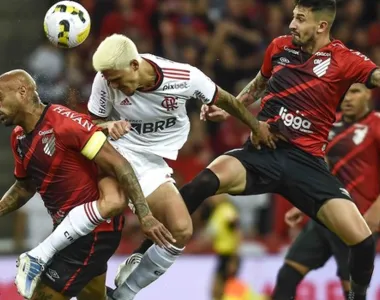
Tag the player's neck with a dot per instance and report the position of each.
(147, 75)
(31, 116)
(317, 45)
(359, 116)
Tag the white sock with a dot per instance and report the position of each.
(80, 221)
(154, 263)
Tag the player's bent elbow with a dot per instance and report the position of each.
(112, 201)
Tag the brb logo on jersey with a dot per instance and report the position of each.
(150, 127)
(170, 103)
(295, 121)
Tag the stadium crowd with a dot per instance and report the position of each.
(227, 40)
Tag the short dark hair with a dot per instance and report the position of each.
(328, 6)
(318, 5)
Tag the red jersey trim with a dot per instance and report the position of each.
(215, 97)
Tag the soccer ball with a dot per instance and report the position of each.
(67, 24)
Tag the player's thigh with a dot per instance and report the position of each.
(343, 217)
(248, 171)
(231, 174)
(95, 289)
(311, 187)
(44, 292)
(168, 206)
(310, 250)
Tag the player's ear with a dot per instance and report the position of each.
(322, 26)
(23, 91)
(134, 64)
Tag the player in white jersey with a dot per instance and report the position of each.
(150, 94)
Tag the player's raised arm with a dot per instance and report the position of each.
(18, 194)
(113, 163)
(375, 78)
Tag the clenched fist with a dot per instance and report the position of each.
(116, 129)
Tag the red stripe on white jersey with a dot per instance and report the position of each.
(177, 77)
(175, 70)
(176, 74)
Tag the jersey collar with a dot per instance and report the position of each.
(159, 77)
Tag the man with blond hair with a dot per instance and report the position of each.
(140, 99)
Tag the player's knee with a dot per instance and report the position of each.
(182, 231)
(112, 201)
(300, 268)
(112, 205)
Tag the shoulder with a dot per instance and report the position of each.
(66, 120)
(282, 42)
(337, 47)
(17, 132)
(164, 63)
(375, 118)
(99, 80)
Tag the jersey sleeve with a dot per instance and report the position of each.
(81, 135)
(19, 170)
(266, 68)
(99, 103)
(358, 68)
(202, 87)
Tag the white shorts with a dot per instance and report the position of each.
(151, 169)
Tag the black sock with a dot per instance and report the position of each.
(361, 265)
(204, 185)
(145, 245)
(287, 281)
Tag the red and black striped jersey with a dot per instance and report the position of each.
(353, 154)
(304, 90)
(51, 157)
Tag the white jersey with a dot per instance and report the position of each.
(158, 117)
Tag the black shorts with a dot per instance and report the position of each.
(75, 266)
(315, 245)
(300, 177)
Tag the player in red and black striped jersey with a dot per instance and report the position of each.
(353, 151)
(57, 152)
(302, 79)
(353, 155)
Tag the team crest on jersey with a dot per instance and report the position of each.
(49, 144)
(321, 66)
(170, 103)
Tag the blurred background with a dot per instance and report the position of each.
(224, 38)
